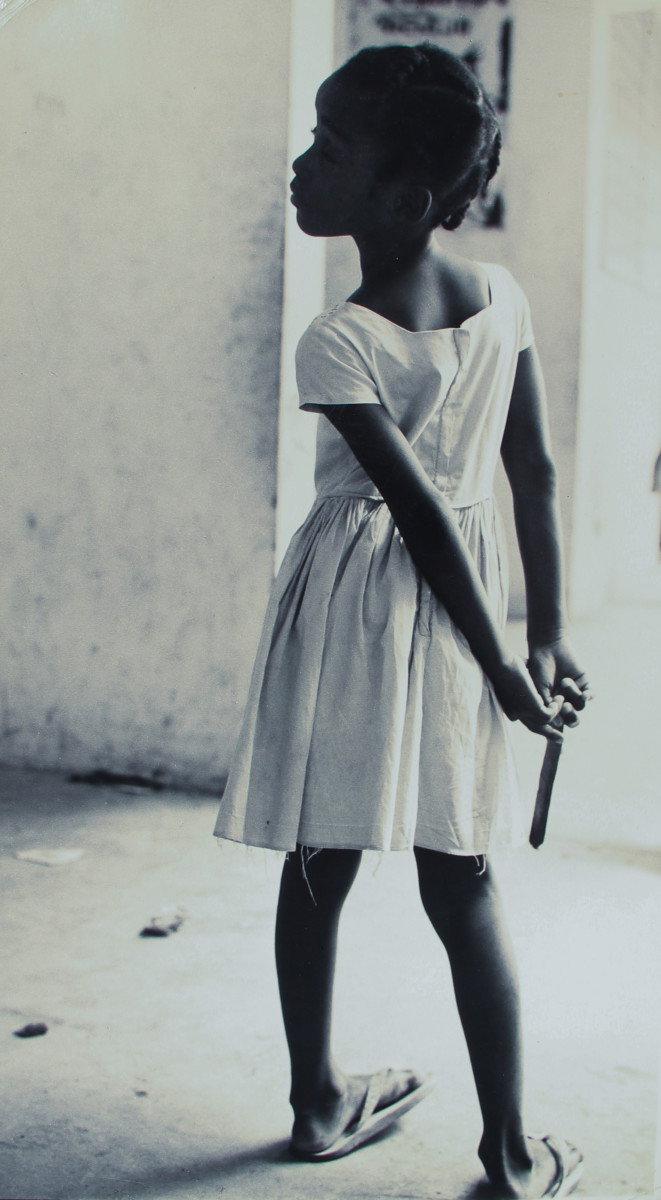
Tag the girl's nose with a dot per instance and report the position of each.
(298, 165)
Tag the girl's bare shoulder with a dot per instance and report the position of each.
(464, 282)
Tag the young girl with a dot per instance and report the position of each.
(377, 715)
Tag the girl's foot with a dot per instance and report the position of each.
(548, 1166)
(346, 1117)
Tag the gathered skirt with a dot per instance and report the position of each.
(369, 724)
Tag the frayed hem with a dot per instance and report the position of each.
(307, 853)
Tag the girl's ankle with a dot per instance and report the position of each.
(505, 1157)
(319, 1094)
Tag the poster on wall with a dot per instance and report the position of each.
(479, 31)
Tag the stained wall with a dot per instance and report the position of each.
(142, 157)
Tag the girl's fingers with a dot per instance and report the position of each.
(550, 732)
(570, 690)
(564, 713)
(546, 722)
(569, 715)
(574, 692)
(582, 681)
(557, 707)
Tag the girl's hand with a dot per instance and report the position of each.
(522, 702)
(556, 672)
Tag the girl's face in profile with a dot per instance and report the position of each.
(336, 188)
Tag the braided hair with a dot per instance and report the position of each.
(436, 118)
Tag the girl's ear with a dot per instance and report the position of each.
(413, 202)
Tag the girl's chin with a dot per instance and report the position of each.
(307, 224)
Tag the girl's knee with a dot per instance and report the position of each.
(451, 881)
(455, 868)
(325, 875)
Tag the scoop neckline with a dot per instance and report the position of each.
(441, 328)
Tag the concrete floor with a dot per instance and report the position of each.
(164, 1073)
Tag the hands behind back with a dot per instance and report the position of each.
(556, 672)
(428, 526)
(527, 691)
(521, 701)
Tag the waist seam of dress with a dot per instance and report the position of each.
(379, 499)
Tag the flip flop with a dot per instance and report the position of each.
(569, 1163)
(369, 1121)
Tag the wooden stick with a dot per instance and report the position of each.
(544, 790)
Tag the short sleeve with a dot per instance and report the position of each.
(331, 370)
(525, 330)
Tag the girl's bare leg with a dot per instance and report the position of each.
(463, 905)
(324, 1099)
(306, 943)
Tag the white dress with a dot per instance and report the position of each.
(369, 724)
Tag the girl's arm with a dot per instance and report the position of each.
(527, 459)
(429, 529)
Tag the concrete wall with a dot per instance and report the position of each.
(543, 175)
(142, 159)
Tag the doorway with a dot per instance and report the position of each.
(617, 516)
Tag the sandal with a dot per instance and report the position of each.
(370, 1120)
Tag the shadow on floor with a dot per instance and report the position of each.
(217, 1170)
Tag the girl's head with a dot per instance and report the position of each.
(408, 126)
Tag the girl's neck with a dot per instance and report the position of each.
(385, 265)
(420, 286)
(403, 282)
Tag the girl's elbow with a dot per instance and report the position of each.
(544, 474)
(423, 520)
(535, 479)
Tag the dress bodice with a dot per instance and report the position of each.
(448, 390)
